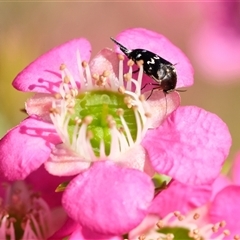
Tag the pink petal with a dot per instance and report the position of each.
(43, 75)
(40, 105)
(145, 39)
(106, 59)
(190, 146)
(225, 207)
(109, 199)
(59, 216)
(219, 183)
(85, 234)
(147, 224)
(136, 158)
(188, 198)
(64, 162)
(67, 229)
(236, 169)
(24, 148)
(161, 105)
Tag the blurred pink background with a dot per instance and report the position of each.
(27, 30)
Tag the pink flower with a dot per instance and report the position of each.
(30, 211)
(202, 211)
(86, 119)
(63, 131)
(225, 204)
(51, 135)
(216, 43)
(187, 212)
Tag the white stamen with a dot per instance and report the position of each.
(71, 79)
(120, 76)
(83, 150)
(102, 149)
(65, 127)
(140, 75)
(90, 150)
(47, 213)
(36, 226)
(3, 226)
(61, 90)
(138, 88)
(127, 131)
(66, 87)
(139, 126)
(74, 137)
(115, 144)
(28, 232)
(129, 83)
(136, 102)
(80, 71)
(124, 146)
(11, 231)
(88, 76)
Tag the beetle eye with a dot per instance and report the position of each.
(170, 81)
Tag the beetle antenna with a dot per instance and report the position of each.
(122, 48)
(165, 95)
(181, 90)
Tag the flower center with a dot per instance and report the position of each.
(23, 214)
(175, 233)
(103, 118)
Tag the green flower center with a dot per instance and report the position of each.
(179, 233)
(102, 105)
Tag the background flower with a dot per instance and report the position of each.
(31, 208)
(225, 203)
(216, 42)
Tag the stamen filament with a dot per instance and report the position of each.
(3, 226)
(115, 143)
(124, 143)
(139, 126)
(65, 127)
(70, 78)
(11, 231)
(120, 73)
(102, 149)
(28, 232)
(137, 86)
(88, 75)
(127, 131)
(82, 135)
(36, 226)
(129, 75)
